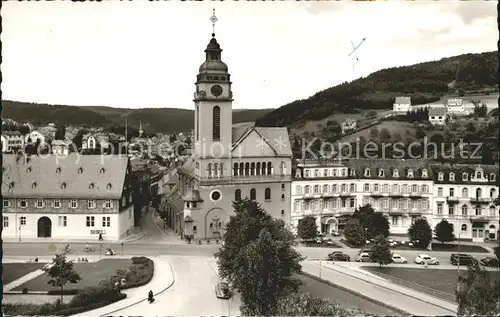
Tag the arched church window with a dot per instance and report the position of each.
(258, 168)
(211, 225)
(252, 169)
(235, 169)
(269, 168)
(221, 168)
(216, 124)
(267, 194)
(253, 194)
(247, 169)
(216, 170)
(195, 229)
(237, 194)
(264, 168)
(282, 169)
(209, 168)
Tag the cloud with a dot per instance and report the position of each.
(469, 11)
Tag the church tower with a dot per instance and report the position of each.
(213, 109)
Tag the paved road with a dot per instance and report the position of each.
(193, 293)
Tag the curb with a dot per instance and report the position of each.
(129, 241)
(145, 299)
(393, 290)
(405, 313)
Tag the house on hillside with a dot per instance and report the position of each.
(401, 105)
(12, 141)
(35, 136)
(455, 106)
(348, 125)
(92, 141)
(60, 147)
(437, 115)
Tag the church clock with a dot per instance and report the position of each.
(216, 90)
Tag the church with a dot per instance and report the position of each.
(229, 162)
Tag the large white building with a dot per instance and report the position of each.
(437, 115)
(72, 197)
(229, 163)
(12, 141)
(455, 106)
(464, 195)
(401, 105)
(403, 190)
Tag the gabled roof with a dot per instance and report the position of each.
(388, 166)
(11, 133)
(403, 100)
(58, 177)
(437, 111)
(459, 169)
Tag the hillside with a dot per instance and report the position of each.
(424, 82)
(153, 119)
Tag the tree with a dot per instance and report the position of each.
(307, 228)
(420, 134)
(354, 233)
(308, 305)
(420, 233)
(478, 293)
(78, 139)
(375, 222)
(444, 231)
(244, 228)
(385, 135)
(60, 132)
(262, 284)
(381, 252)
(61, 272)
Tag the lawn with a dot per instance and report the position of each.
(437, 279)
(321, 245)
(14, 271)
(464, 248)
(91, 274)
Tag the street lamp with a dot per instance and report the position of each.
(458, 263)
(319, 268)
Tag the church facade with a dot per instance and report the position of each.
(229, 162)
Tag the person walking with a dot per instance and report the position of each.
(150, 297)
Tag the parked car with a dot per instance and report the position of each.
(369, 251)
(490, 262)
(339, 256)
(421, 258)
(364, 257)
(396, 258)
(462, 259)
(335, 233)
(222, 290)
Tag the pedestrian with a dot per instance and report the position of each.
(150, 297)
(426, 263)
(100, 236)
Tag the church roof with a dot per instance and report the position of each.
(72, 176)
(276, 138)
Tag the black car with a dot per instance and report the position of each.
(339, 256)
(462, 259)
(490, 262)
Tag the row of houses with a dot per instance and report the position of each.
(76, 196)
(437, 112)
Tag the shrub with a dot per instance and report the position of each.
(91, 295)
(141, 272)
(63, 292)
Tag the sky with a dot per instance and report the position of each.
(146, 54)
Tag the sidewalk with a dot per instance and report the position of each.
(131, 238)
(413, 302)
(163, 279)
(170, 236)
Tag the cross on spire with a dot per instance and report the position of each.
(214, 19)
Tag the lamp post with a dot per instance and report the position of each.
(320, 269)
(458, 263)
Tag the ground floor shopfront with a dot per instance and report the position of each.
(112, 226)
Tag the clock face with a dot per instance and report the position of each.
(216, 90)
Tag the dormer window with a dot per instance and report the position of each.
(381, 173)
(58, 170)
(452, 176)
(11, 185)
(108, 186)
(297, 173)
(479, 174)
(465, 176)
(440, 176)
(63, 185)
(80, 170)
(395, 173)
(33, 185)
(367, 172)
(91, 186)
(492, 177)
(307, 173)
(353, 172)
(410, 173)
(102, 170)
(28, 169)
(424, 173)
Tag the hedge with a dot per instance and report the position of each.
(94, 298)
(141, 272)
(63, 292)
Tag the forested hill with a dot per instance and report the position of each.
(154, 120)
(424, 82)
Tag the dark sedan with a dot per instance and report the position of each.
(339, 256)
(490, 262)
